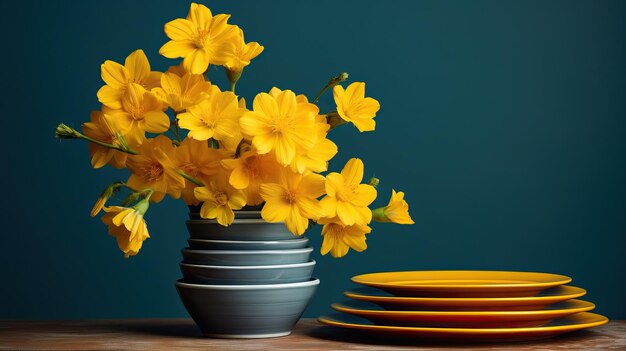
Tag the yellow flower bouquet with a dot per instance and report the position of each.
(272, 154)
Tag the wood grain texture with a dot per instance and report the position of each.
(179, 334)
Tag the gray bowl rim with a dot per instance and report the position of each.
(310, 282)
(249, 252)
(290, 241)
(269, 266)
(236, 221)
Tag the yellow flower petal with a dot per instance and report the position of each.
(110, 97)
(296, 223)
(313, 185)
(285, 150)
(196, 62)
(275, 211)
(353, 171)
(225, 216)
(114, 75)
(239, 178)
(174, 49)
(328, 243)
(137, 65)
(265, 104)
(180, 30)
(156, 122)
(334, 183)
(200, 15)
(347, 213)
(364, 195)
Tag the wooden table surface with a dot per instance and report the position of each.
(175, 334)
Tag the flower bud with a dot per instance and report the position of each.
(104, 197)
(233, 76)
(374, 182)
(65, 132)
(341, 77)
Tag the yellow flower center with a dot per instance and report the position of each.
(290, 197)
(251, 165)
(346, 193)
(209, 120)
(153, 172)
(202, 38)
(221, 198)
(136, 112)
(280, 124)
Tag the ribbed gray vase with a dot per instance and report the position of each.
(225, 304)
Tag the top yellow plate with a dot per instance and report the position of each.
(462, 283)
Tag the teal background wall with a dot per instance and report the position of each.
(503, 121)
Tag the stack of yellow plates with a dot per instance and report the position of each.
(465, 305)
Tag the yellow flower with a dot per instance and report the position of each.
(104, 128)
(293, 200)
(136, 69)
(196, 159)
(397, 211)
(219, 200)
(243, 53)
(215, 117)
(182, 92)
(201, 38)
(249, 171)
(346, 197)
(353, 106)
(316, 158)
(281, 124)
(339, 238)
(153, 169)
(141, 112)
(128, 226)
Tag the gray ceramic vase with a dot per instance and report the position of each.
(251, 279)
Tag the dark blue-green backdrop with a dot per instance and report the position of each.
(503, 121)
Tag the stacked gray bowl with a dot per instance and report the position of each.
(249, 280)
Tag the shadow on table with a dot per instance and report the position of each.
(175, 328)
(363, 337)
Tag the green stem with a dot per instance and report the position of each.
(65, 132)
(331, 83)
(190, 178)
(176, 130)
(378, 215)
(111, 146)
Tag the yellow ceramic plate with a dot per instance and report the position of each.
(462, 283)
(391, 302)
(453, 319)
(572, 323)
